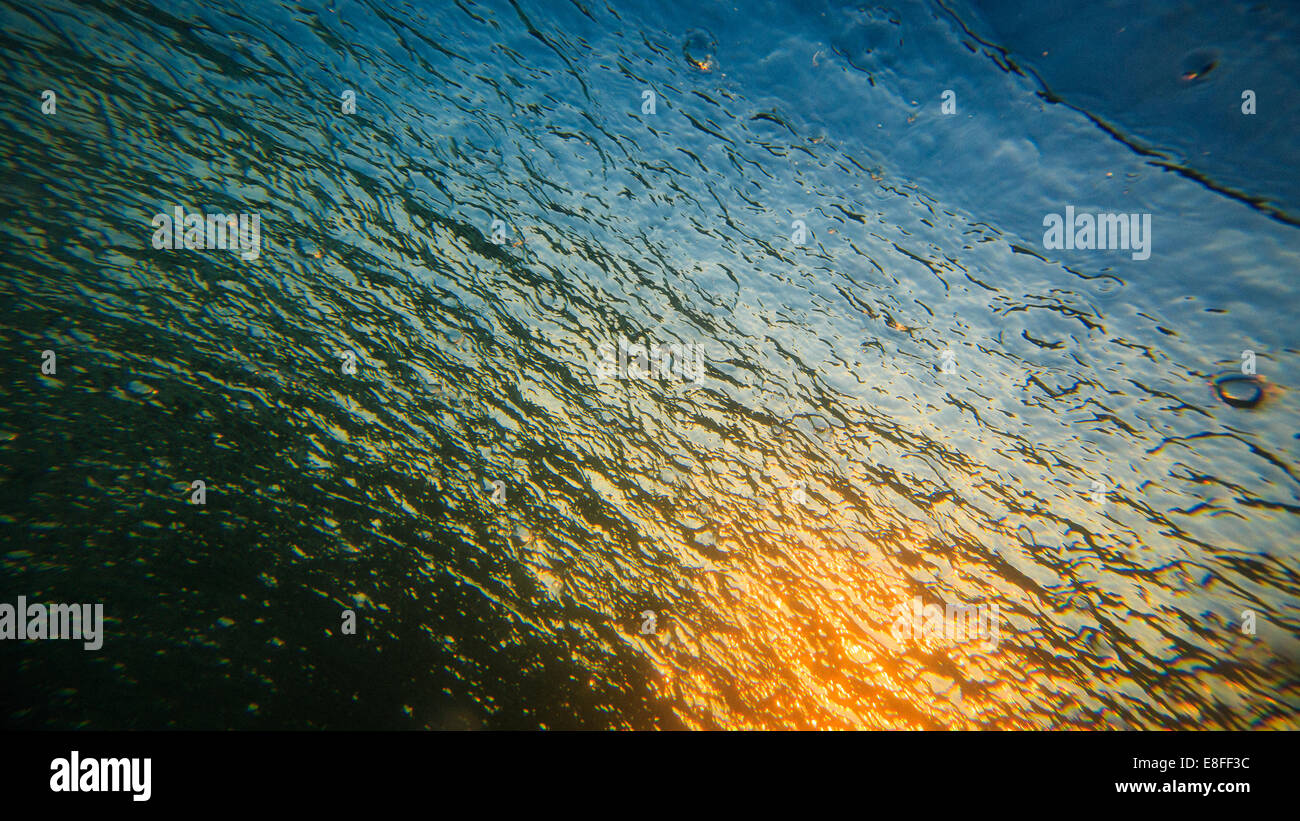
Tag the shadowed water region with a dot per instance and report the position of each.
(527, 544)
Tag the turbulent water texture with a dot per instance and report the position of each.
(772, 517)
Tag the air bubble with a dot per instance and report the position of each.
(1239, 390)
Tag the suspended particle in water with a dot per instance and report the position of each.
(309, 249)
(1197, 64)
(800, 494)
(700, 50)
(949, 362)
(1098, 491)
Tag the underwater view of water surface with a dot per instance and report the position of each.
(607, 364)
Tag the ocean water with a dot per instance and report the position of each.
(400, 405)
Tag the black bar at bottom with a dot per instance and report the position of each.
(192, 770)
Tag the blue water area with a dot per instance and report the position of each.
(575, 364)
